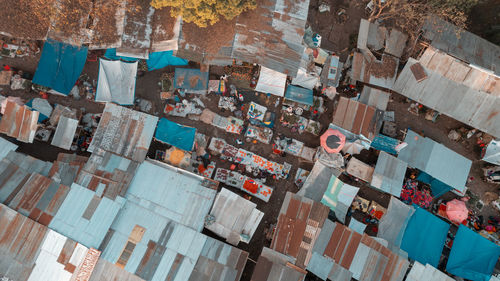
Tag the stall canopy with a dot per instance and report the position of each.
(192, 80)
(472, 256)
(175, 134)
(332, 141)
(389, 174)
(156, 60)
(299, 94)
(60, 66)
(338, 197)
(116, 82)
(387, 144)
(492, 153)
(436, 160)
(424, 237)
(438, 187)
(271, 82)
(456, 211)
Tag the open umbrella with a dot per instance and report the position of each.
(332, 141)
(456, 211)
(354, 147)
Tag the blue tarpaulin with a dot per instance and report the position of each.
(438, 187)
(159, 60)
(156, 60)
(424, 237)
(472, 256)
(175, 134)
(190, 79)
(111, 54)
(299, 94)
(60, 66)
(385, 143)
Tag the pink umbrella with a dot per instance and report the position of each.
(456, 211)
(332, 141)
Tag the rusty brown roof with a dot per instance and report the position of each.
(19, 122)
(358, 118)
(274, 266)
(368, 69)
(299, 223)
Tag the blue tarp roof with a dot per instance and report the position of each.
(159, 60)
(424, 237)
(385, 143)
(60, 66)
(299, 94)
(190, 79)
(175, 134)
(438, 187)
(156, 60)
(472, 256)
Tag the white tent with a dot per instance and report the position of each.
(271, 81)
(116, 82)
(306, 80)
(492, 154)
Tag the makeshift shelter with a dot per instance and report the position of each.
(354, 147)
(360, 169)
(472, 256)
(424, 237)
(116, 82)
(60, 66)
(299, 94)
(271, 82)
(338, 197)
(492, 153)
(387, 144)
(191, 80)
(437, 161)
(305, 79)
(393, 224)
(158, 60)
(317, 181)
(332, 141)
(42, 106)
(358, 118)
(65, 132)
(175, 134)
(233, 217)
(19, 122)
(456, 211)
(389, 174)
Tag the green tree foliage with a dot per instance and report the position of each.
(205, 12)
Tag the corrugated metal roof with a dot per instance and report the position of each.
(299, 222)
(6, 147)
(106, 271)
(273, 266)
(358, 118)
(375, 37)
(60, 110)
(420, 272)
(462, 44)
(436, 160)
(137, 29)
(464, 93)
(389, 174)
(19, 122)
(236, 218)
(124, 132)
(317, 182)
(86, 217)
(66, 168)
(65, 132)
(179, 195)
(271, 35)
(368, 69)
(375, 97)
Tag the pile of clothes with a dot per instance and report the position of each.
(412, 193)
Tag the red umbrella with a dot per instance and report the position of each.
(456, 211)
(332, 141)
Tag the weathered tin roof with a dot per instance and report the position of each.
(137, 29)
(180, 195)
(368, 69)
(357, 118)
(375, 97)
(317, 182)
(6, 147)
(125, 132)
(66, 168)
(389, 174)
(61, 110)
(462, 44)
(107, 25)
(462, 92)
(271, 35)
(350, 253)
(65, 132)
(19, 122)
(299, 222)
(274, 266)
(69, 22)
(106, 271)
(166, 31)
(236, 218)
(375, 37)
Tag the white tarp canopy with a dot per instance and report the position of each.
(492, 154)
(271, 81)
(303, 79)
(116, 82)
(42, 105)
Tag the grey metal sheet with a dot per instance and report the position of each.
(320, 265)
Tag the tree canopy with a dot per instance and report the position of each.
(205, 12)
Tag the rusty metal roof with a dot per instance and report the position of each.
(375, 37)
(299, 222)
(358, 118)
(462, 44)
(124, 131)
(273, 266)
(454, 88)
(66, 168)
(19, 122)
(137, 29)
(368, 69)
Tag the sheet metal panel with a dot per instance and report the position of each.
(65, 132)
(19, 122)
(375, 97)
(5, 147)
(389, 174)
